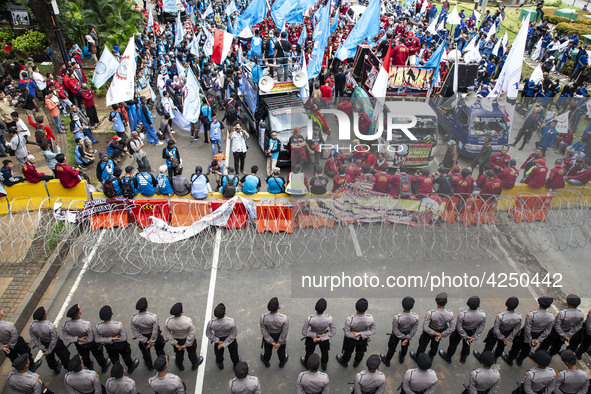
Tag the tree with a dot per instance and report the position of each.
(42, 14)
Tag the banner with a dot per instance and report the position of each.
(105, 68)
(91, 208)
(169, 6)
(122, 86)
(411, 77)
(191, 99)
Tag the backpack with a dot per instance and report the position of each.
(109, 188)
(230, 188)
(126, 189)
(220, 157)
(404, 190)
(159, 108)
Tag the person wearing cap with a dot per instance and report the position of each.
(44, 336)
(537, 327)
(318, 330)
(505, 329)
(23, 381)
(13, 344)
(135, 147)
(490, 185)
(164, 382)
(438, 324)
(572, 379)
(104, 167)
(163, 182)
(82, 380)
(145, 328)
(180, 331)
(243, 383)
(371, 380)
(537, 176)
(312, 380)
(274, 327)
(30, 172)
(566, 324)
(404, 328)
(359, 328)
(469, 325)
(118, 383)
(419, 380)
(113, 335)
(222, 332)
(275, 182)
(484, 379)
(81, 334)
(540, 379)
(451, 156)
(116, 149)
(200, 186)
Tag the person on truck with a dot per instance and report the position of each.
(256, 46)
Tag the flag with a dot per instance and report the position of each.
(303, 37)
(240, 55)
(335, 24)
(150, 26)
(365, 29)
(245, 33)
(471, 45)
(510, 75)
(179, 68)
(537, 75)
(179, 31)
(380, 85)
(502, 42)
(435, 61)
(208, 10)
(432, 28)
(105, 68)
(280, 10)
(320, 38)
(304, 90)
(476, 16)
(169, 6)
(194, 46)
(222, 44)
(538, 50)
(562, 125)
(208, 46)
(191, 100)
(253, 14)
(454, 17)
(122, 85)
(441, 25)
(492, 31)
(231, 8)
(423, 8)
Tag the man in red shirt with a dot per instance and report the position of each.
(382, 182)
(582, 176)
(414, 46)
(66, 174)
(30, 172)
(331, 167)
(422, 184)
(326, 92)
(88, 99)
(509, 175)
(556, 178)
(353, 170)
(537, 176)
(464, 184)
(340, 179)
(46, 129)
(490, 186)
(530, 162)
(500, 160)
(399, 54)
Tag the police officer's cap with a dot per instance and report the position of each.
(73, 311)
(423, 361)
(408, 303)
(141, 304)
(75, 364)
(545, 302)
(512, 302)
(39, 313)
(117, 370)
(313, 362)
(373, 362)
(219, 311)
(542, 358)
(568, 356)
(160, 363)
(273, 304)
(176, 309)
(241, 370)
(105, 313)
(320, 305)
(361, 305)
(487, 358)
(573, 300)
(441, 297)
(20, 362)
(473, 302)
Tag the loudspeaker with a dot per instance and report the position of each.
(360, 62)
(467, 74)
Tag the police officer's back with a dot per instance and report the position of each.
(23, 381)
(312, 380)
(370, 381)
(163, 382)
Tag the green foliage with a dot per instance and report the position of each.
(570, 28)
(568, 67)
(552, 3)
(6, 35)
(30, 43)
(554, 19)
(98, 92)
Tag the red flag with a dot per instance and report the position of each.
(222, 44)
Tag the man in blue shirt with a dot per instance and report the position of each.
(115, 177)
(549, 134)
(251, 183)
(105, 167)
(146, 182)
(579, 67)
(256, 46)
(216, 134)
(275, 183)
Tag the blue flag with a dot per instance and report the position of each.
(303, 37)
(320, 38)
(365, 29)
(253, 14)
(335, 24)
(280, 10)
(435, 61)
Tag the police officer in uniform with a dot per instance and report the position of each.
(439, 323)
(484, 380)
(113, 335)
(118, 383)
(571, 380)
(13, 344)
(313, 381)
(420, 380)
(44, 336)
(469, 326)
(404, 328)
(222, 332)
(359, 328)
(180, 331)
(81, 380)
(370, 381)
(163, 382)
(540, 379)
(23, 381)
(567, 323)
(81, 333)
(243, 383)
(507, 325)
(145, 328)
(318, 329)
(537, 327)
(274, 328)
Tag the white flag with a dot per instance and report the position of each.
(150, 26)
(208, 11)
(191, 99)
(471, 45)
(432, 27)
(537, 75)
(477, 16)
(492, 31)
(122, 85)
(441, 25)
(231, 8)
(179, 68)
(453, 17)
(305, 90)
(538, 50)
(179, 30)
(208, 47)
(497, 48)
(423, 8)
(105, 68)
(194, 47)
(562, 125)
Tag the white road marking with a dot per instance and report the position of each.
(355, 241)
(208, 310)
